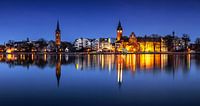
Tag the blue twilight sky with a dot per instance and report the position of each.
(36, 19)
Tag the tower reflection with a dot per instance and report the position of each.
(120, 62)
(154, 63)
(58, 68)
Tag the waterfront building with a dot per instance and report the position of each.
(2, 48)
(95, 44)
(51, 46)
(19, 46)
(124, 43)
(153, 43)
(179, 44)
(83, 44)
(132, 45)
(106, 45)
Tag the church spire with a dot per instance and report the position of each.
(58, 26)
(119, 26)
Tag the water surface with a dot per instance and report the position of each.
(133, 79)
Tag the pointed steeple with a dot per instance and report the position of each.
(173, 33)
(119, 26)
(58, 26)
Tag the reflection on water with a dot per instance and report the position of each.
(131, 62)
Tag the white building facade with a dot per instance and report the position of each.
(82, 43)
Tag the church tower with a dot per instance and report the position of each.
(119, 31)
(58, 36)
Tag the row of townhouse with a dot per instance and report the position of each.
(99, 45)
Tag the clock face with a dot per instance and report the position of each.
(119, 31)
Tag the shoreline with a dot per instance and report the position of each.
(98, 53)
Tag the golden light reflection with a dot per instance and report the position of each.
(77, 66)
(146, 61)
(102, 61)
(111, 63)
(45, 57)
(163, 58)
(32, 57)
(120, 62)
(131, 61)
(10, 57)
(88, 60)
(188, 60)
(1, 57)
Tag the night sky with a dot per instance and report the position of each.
(36, 19)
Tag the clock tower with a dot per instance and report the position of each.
(119, 31)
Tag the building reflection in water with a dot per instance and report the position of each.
(58, 68)
(112, 63)
(120, 62)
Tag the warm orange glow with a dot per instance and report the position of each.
(131, 61)
(1, 57)
(32, 56)
(33, 50)
(152, 47)
(1, 50)
(188, 60)
(45, 57)
(10, 57)
(58, 39)
(10, 50)
(146, 61)
(102, 61)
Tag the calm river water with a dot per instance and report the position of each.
(133, 79)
